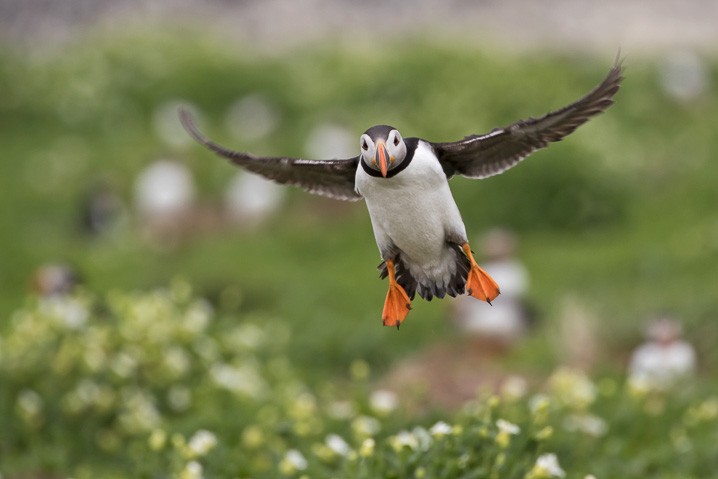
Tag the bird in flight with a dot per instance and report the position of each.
(405, 183)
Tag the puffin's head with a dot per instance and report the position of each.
(382, 148)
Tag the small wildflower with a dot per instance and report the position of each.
(573, 388)
(514, 388)
(403, 439)
(509, 428)
(544, 433)
(506, 430)
(193, 470)
(292, 462)
(586, 423)
(30, 404)
(252, 436)
(440, 429)
(546, 466)
(323, 452)
(179, 398)
(365, 426)
(337, 444)
(539, 406)
(201, 443)
(157, 439)
(383, 402)
(367, 447)
(423, 438)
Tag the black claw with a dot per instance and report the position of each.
(397, 326)
(488, 301)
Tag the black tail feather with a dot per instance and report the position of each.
(455, 287)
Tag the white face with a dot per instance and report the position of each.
(383, 155)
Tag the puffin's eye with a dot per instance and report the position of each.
(396, 140)
(364, 145)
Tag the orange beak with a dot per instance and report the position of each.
(381, 157)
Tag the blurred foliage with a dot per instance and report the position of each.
(157, 384)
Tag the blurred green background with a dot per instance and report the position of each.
(620, 218)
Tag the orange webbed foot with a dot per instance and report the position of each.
(397, 303)
(478, 282)
(396, 306)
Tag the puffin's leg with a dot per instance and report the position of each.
(397, 304)
(478, 282)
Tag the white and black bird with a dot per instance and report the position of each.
(405, 183)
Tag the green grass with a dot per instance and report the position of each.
(620, 217)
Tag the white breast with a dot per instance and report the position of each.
(415, 212)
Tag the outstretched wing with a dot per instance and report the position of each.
(481, 156)
(333, 178)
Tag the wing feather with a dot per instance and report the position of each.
(332, 178)
(481, 156)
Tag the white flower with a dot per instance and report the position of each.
(242, 380)
(404, 439)
(337, 444)
(383, 401)
(365, 426)
(193, 470)
(202, 442)
(573, 388)
(423, 438)
(293, 461)
(586, 423)
(507, 427)
(514, 387)
(547, 466)
(440, 429)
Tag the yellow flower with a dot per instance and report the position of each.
(367, 447)
(252, 437)
(544, 434)
(157, 439)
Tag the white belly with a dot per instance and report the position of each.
(415, 212)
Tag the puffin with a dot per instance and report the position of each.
(404, 181)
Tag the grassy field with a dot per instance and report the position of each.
(620, 218)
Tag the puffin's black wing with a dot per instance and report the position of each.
(481, 156)
(333, 178)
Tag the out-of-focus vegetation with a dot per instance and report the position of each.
(621, 216)
(157, 384)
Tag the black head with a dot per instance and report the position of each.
(382, 148)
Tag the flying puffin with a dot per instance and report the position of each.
(405, 183)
